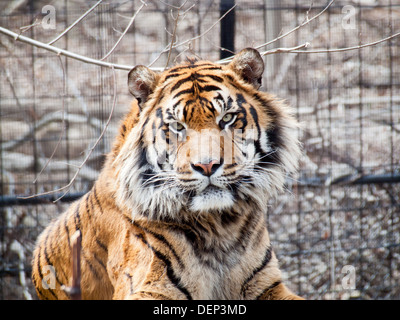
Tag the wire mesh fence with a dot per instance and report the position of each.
(336, 229)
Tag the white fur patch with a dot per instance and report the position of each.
(212, 198)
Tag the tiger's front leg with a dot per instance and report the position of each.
(154, 286)
(140, 271)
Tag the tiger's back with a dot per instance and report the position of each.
(179, 209)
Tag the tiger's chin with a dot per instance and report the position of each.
(212, 199)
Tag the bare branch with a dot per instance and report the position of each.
(26, 28)
(63, 52)
(75, 23)
(285, 50)
(126, 29)
(348, 48)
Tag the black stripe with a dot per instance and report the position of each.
(254, 114)
(97, 199)
(229, 217)
(193, 77)
(214, 77)
(272, 286)
(247, 229)
(266, 259)
(240, 100)
(100, 262)
(266, 159)
(173, 70)
(186, 91)
(77, 218)
(41, 295)
(208, 88)
(163, 240)
(123, 130)
(99, 243)
(187, 116)
(209, 68)
(210, 106)
(88, 210)
(173, 75)
(275, 141)
(176, 281)
(67, 231)
(131, 291)
(142, 152)
(91, 267)
(102, 245)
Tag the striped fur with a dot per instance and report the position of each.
(179, 209)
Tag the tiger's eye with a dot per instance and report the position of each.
(177, 126)
(228, 117)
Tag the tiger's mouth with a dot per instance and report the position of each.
(211, 198)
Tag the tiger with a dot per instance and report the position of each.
(179, 209)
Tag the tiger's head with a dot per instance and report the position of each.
(201, 139)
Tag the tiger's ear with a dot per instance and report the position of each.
(249, 65)
(141, 83)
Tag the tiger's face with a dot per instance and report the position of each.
(205, 140)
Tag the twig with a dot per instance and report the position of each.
(126, 29)
(26, 28)
(74, 291)
(348, 48)
(75, 23)
(284, 50)
(173, 35)
(68, 186)
(63, 52)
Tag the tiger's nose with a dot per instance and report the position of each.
(209, 168)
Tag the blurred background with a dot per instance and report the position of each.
(336, 230)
